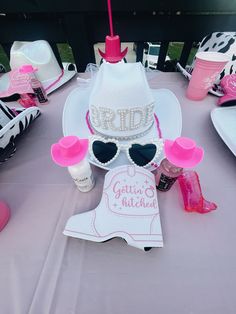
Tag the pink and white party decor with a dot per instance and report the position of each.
(15, 82)
(128, 209)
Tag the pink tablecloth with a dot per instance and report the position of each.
(44, 272)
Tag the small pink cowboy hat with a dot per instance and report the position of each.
(113, 52)
(228, 84)
(69, 151)
(183, 152)
(4, 214)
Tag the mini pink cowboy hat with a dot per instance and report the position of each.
(183, 152)
(113, 52)
(4, 214)
(69, 151)
(228, 84)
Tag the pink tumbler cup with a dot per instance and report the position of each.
(207, 67)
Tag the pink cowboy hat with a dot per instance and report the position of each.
(228, 84)
(69, 151)
(183, 152)
(4, 214)
(113, 52)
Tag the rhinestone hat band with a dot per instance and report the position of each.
(124, 138)
(121, 120)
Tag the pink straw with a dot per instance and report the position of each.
(110, 17)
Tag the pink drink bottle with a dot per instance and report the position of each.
(38, 90)
(167, 174)
(35, 83)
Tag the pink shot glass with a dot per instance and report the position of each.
(191, 191)
(208, 66)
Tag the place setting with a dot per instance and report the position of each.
(116, 122)
(117, 156)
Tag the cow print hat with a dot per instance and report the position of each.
(224, 42)
(13, 123)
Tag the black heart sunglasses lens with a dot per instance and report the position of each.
(104, 152)
(142, 154)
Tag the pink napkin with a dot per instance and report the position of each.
(14, 82)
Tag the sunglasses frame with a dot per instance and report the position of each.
(158, 142)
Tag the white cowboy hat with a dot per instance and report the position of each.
(121, 111)
(40, 55)
(13, 123)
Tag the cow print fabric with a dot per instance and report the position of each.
(10, 131)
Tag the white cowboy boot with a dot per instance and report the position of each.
(128, 209)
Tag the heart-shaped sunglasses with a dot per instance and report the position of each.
(105, 151)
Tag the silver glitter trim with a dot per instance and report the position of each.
(122, 138)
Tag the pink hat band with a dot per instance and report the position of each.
(69, 150)
(183, 152)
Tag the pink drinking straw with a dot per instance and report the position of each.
(113, 51)
(110, 18)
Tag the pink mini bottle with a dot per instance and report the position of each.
(180, 153)
(35, 83)
(39, 90)
(166, 175)
(70, 151)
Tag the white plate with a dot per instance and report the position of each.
(224, 121)
(167, 109)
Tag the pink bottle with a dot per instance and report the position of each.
(180, 153)
(192, 193)
(70, 151)
(167, 175)
(35, 83)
